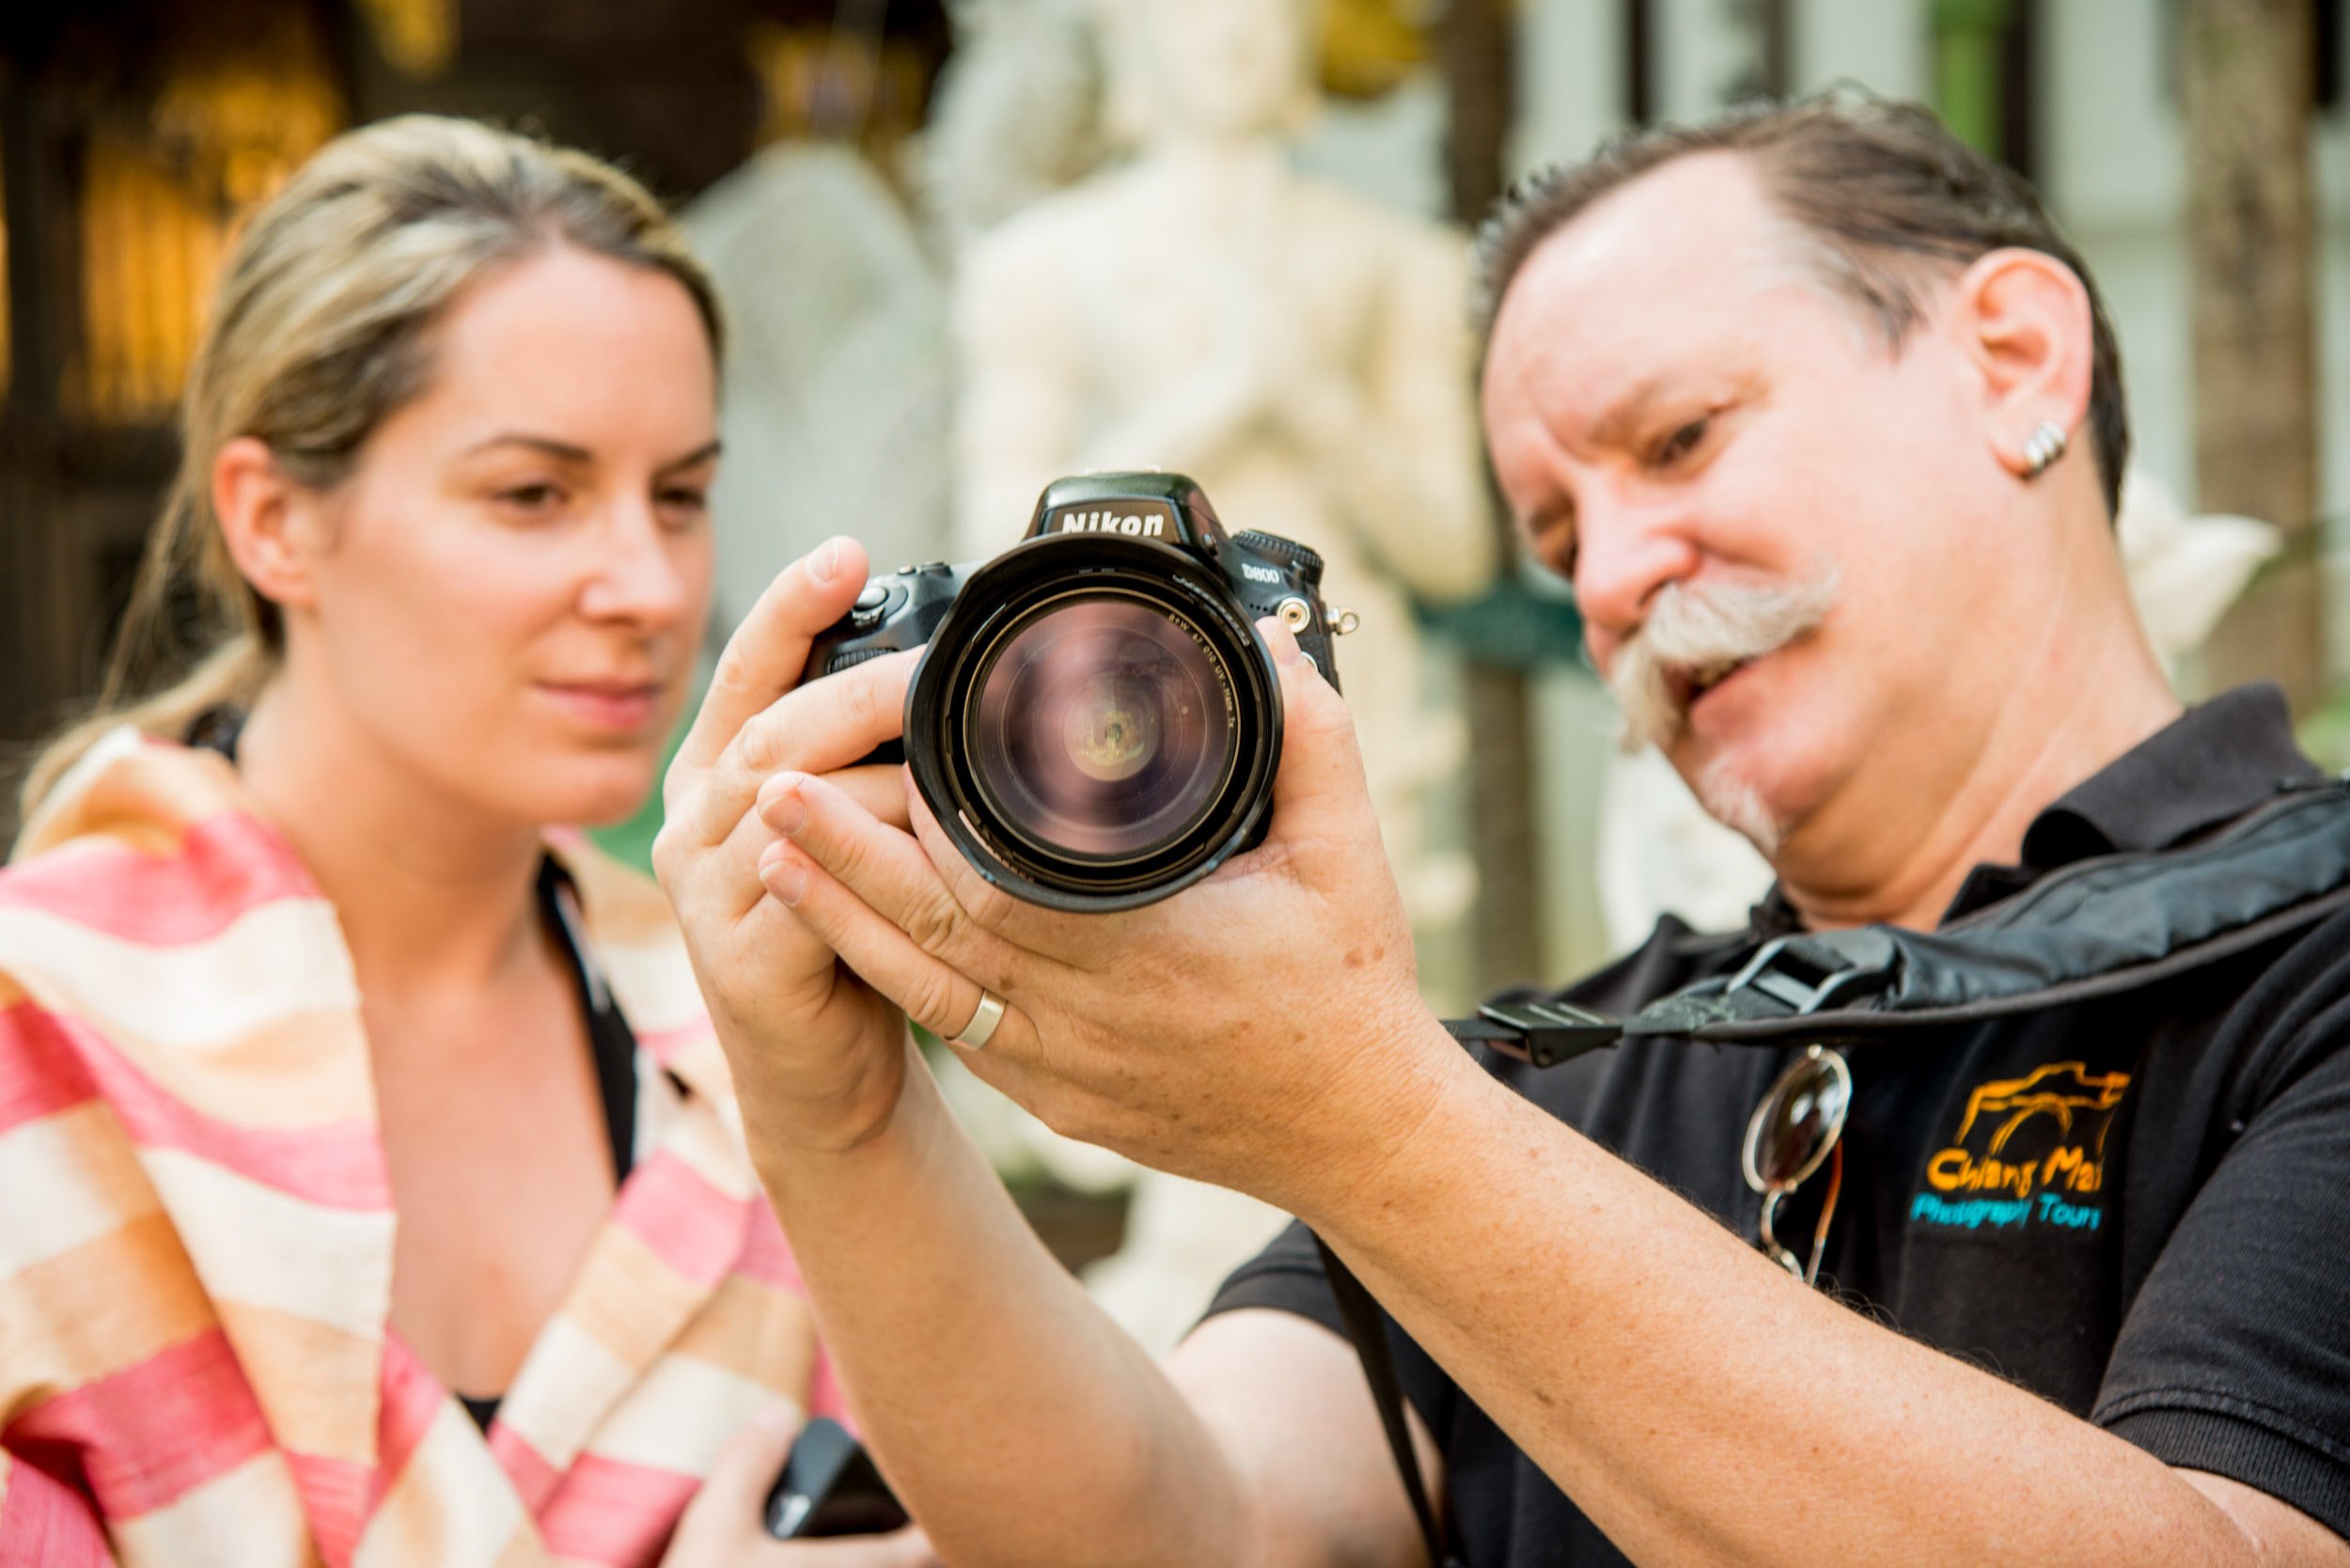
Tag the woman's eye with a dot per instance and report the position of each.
(684, 504)
(1682, 442)
(538, 498)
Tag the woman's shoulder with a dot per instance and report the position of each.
(145, 843)
(164, 949)
(153, 905)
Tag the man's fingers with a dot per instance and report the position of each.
(928, 990)
(768, 651)
(987, 906)
(826, 724)
(886, 870)
(879, 788)
(729, 869)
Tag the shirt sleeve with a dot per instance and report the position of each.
(2234, 1356)
(1288, 1276)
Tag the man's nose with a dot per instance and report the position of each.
(1624, 553)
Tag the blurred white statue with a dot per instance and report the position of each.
(1016, 116)
(2184, 572)
(1298, 350)
(1659, 850)
(837, 401)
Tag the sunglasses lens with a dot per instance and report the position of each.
(1798, 1123)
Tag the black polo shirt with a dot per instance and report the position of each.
(2133, 1207)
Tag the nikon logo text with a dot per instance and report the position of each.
(1141, 525)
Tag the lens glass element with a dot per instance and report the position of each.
(1103, 727)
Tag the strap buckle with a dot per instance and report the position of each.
(1805, 973)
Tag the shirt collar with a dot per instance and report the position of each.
(2208, 766)
(2213, 763)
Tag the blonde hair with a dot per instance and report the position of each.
(318, 333)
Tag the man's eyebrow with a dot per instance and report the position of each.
(1615, 427)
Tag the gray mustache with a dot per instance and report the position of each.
(1701, 631)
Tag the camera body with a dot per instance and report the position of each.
(1096, 720)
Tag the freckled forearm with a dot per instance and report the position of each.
(1700, 1405)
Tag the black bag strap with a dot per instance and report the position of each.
(2099, 927)
(1364, 1326)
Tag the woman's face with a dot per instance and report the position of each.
(509, 590)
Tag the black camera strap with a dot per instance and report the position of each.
(1365, 1326)
(2100, 927)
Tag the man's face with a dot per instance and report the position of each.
(1686, 418)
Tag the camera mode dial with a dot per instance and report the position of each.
(1273, 547)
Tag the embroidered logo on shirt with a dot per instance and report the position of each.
(2029, 1152)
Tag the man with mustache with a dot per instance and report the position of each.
(1822, 418)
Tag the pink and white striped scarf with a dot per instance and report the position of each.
(195, 1228)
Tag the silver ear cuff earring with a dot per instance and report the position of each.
(2042, 447)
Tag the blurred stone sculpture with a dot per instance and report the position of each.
(2184, 572)
(1016, 116)
(1300, 352)
(837, 392)
(1659, 851)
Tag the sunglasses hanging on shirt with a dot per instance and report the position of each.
(1798, 1126)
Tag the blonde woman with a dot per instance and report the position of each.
(370, 1188)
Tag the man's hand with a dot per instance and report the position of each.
(721, 1528)
(819, 1057)
(1262, 1029)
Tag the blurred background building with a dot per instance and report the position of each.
(837, 157)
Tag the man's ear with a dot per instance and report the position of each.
(267, 520)
(2023, 320)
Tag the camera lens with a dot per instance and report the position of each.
(1095, 724)
(1102, 727)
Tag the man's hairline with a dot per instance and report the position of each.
(1821, 260)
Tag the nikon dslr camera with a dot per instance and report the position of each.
(1096, 722)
